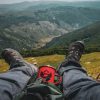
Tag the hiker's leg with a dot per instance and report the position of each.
(14, 81)
(76, 83)
(78, 86)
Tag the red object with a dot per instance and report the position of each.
(48, 74)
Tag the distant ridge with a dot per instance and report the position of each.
(26, 4)
(89, 34)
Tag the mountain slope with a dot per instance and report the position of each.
(65, 17)
(90, 34)
(28, 28)
(29, 35)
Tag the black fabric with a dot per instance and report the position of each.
(33, 96)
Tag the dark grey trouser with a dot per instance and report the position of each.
(14, 81)
(78, 86)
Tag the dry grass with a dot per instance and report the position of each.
(90, 61)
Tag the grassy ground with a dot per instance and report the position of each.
(91, 62)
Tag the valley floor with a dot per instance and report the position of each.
(91, 62)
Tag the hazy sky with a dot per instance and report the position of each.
(16, 1)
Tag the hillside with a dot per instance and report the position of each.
(31, 25)
(64, 16)
(29, 35)
(91, 62)
(90, 34)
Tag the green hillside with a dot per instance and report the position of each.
(32, 25)
(64, 16)
(89, 34)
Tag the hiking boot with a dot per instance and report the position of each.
(75, 51)
(12, 57)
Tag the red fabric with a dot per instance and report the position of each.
(47, 71)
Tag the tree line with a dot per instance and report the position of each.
(60, 51)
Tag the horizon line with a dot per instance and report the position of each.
(50, 1)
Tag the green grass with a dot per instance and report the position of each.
(91, 62)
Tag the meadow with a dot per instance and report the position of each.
(91, 62)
